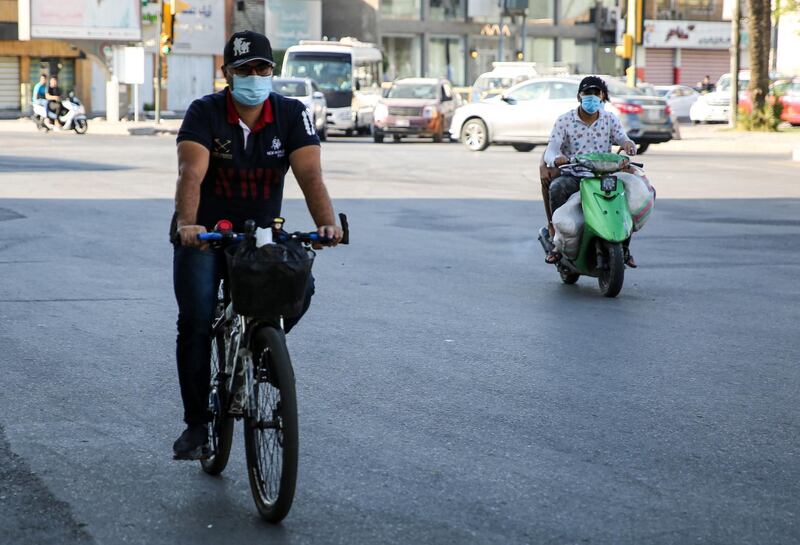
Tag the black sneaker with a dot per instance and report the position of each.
(192, 444)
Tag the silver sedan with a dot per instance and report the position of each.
(524, 115)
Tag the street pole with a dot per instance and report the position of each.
(157, 86)
(524, 28)
(502, 5)
(736, 40)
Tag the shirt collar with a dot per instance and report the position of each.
(233, 116)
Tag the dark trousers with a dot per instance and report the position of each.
(560, 190)
(196, 276)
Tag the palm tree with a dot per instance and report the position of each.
(760, 27)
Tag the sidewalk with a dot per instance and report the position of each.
(101, 126)
(720, 139)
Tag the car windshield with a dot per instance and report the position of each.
(662, 92)
(331, 71)
(411, 90)
(290, 88)
(486, 83)
(724, 83)
(616, 88)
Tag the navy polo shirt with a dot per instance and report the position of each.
(245, 178)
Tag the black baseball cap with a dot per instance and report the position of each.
(246, 46)
(593, 82)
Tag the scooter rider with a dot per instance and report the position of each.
(234, 149)
(39, 91)
(53, 95)
(586, 129)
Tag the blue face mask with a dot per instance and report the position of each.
(251, 90)
(591, 104)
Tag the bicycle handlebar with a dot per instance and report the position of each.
(282, 236)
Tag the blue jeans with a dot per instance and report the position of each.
(196, 276)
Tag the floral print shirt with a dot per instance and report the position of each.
(571, 136)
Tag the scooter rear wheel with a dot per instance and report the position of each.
(613, 275)
(81, 126)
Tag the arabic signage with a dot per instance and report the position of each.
(200, 27)
(80, 19)
(289, 21)
(687, 34)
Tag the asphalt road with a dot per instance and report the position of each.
(451, 389)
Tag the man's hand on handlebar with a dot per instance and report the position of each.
(188, 234)
(560, 160)
(629, 148)
(332, 232)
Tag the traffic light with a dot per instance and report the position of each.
(167, 27)
(626, 49)
(473, 54)
(520, 55)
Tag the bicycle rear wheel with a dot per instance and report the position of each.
(220, 429)
(270, 430)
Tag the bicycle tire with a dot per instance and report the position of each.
(220, 429)
(273, 370)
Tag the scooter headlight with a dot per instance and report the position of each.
(608, 184)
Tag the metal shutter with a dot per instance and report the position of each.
(697, 63)
(188, 77)
(9, 83)
(658, 64)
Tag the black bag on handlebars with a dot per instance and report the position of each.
(270, 281)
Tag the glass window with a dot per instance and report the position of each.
(331, 71)
(402, 57)
(542, 51)
(446, 59)
(696, 10)
(411, 90)
(447, 10)
(289, 88)
(562, 90)
(576, 11)
(531, 91)
(400, 9)
(541, 11)
(578, 55)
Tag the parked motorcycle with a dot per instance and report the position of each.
(607, 223)
(72, 116)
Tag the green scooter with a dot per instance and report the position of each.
(608, 223)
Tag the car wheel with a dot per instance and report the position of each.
(438, 137)
(377, 137)
(475, 135)
(523, 147)
(323, 134)
(396, 137)
(641, 148)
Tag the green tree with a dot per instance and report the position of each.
(759, 25)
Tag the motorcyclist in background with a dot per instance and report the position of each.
(586, 129)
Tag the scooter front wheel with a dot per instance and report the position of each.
(568, 277)
(81, 126)
(613, 274)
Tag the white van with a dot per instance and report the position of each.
(349, 74)
(502, 76)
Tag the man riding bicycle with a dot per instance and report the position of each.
(234, 149)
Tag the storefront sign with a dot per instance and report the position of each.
(80, 19)
(687, 34)
(289, 21)
(200, 27)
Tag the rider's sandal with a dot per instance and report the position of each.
(630, 262)
(552, 258)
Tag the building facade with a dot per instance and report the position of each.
(459, 39)
(686, 40)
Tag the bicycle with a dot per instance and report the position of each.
(249, 355)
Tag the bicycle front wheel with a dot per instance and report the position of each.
(220, 429)
(270, 430)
